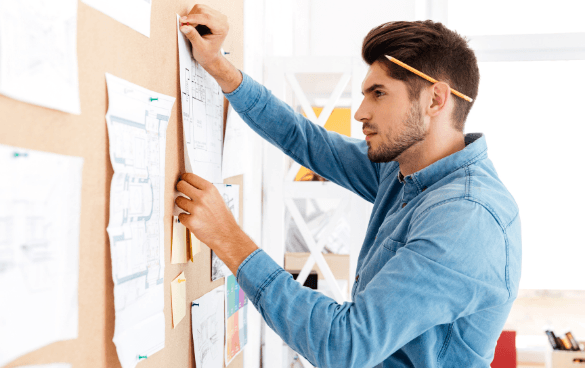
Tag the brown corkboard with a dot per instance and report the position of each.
(105, 45)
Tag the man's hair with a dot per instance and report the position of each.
(431, 48)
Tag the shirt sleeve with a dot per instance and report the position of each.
(341, 159)
(453, 267)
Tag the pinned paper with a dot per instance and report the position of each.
(178, 298)
(179, 241)
(194, 244)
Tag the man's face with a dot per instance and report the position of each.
(391, 122)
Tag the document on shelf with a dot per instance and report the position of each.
(207, 319)
(40, 206)
(133, 13)
(236, 317)
(38, 53)
(137, 121)
(202, 108)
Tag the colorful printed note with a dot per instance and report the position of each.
(236, 308)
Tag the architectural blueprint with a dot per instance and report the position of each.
(137, 121)
(39, 249)
(202, 107)
(133, 13)
(236, 317)
(231, 197)
(207, 320)
(38, 64)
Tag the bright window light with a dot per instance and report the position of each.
(498, 17)
(532, 116)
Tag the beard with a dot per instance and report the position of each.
(389, 149)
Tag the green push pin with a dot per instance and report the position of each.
(153, 99)
(142, 357)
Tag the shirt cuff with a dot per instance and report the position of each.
(256, 273)
(245, 96)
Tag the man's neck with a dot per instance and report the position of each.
(429, 151)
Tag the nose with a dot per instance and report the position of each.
(361, 114)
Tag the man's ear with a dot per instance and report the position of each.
(440, 95)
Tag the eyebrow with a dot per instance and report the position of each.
(372, 87)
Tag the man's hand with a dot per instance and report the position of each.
(207, 48)
(211, 221)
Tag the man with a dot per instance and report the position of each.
(440, 264)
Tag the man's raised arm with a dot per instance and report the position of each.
(338, 158)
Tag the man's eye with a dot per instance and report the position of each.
(379, 93)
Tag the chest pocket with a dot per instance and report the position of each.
(392, 245)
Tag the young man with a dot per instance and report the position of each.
(440, 264)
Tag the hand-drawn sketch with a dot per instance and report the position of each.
(236, 315)
(231, 197)
(202, 107)
(39, 247)
(137, 120)
(207, 320)
(38, 64)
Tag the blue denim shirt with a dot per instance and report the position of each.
(439, 267)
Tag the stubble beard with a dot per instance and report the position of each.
(413, 133)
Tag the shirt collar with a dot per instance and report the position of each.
(475, 149)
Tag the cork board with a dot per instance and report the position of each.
(105, 45)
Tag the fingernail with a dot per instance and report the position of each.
(185, 30)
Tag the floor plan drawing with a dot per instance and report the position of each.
(207, 320)
(137, 120)
(39, 249)
(39, 65)
(202, 111)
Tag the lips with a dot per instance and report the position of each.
(368, 134)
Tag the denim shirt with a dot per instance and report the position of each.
(439, 267)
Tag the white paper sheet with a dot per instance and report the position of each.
(202, 107)
(231, 197)
(38, 53)
(133, 13)
(234, 147)
(137, 121)
(207, 318)
(40, 204)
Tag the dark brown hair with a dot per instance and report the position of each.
(431, 48)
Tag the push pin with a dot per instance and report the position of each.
(153, 99)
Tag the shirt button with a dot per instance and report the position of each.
(403, 205)
(357, 277)
(423, 189)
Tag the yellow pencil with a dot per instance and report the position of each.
(423, 75)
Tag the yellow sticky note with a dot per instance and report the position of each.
(178, 298)
(195, 245)
(178, 242)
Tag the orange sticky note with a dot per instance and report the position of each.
(195, 245)
(179, 298)
(179, 242)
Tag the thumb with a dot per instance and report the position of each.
(191, 33)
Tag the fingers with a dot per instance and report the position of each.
(185, 204)
(202, 14)
(187, 189)
(191, 33)
(196, 181)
